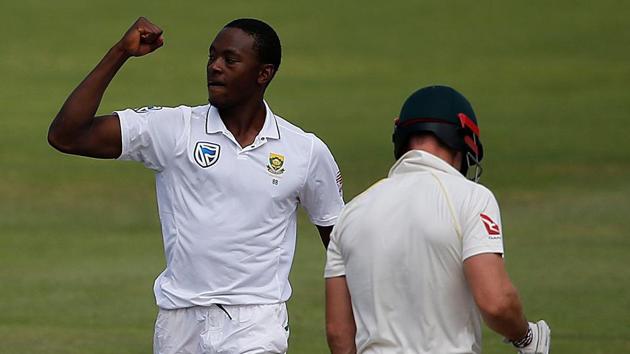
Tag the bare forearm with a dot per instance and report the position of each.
(507, 317)
(340, 326)
(341, 337)
(342, 347)
(75, 130)
(495, 295)
(77, 113)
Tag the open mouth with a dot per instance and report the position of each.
(215, 84)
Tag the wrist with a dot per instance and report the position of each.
(119, 51)
(525, 340)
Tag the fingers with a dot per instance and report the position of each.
(157, 43)
(142, 38)
(149, 33)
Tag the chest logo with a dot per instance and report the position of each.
(276, 164)
(206, 154)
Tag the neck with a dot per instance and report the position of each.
(245, 120)
(433, 146)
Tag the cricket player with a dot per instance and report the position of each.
(230, 175)
(415, 262)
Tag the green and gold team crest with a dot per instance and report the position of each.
(276, 164)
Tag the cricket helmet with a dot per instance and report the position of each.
(448, 115)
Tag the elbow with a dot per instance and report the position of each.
(340, 339)
(496, 310)
(58, 143)
(500, 306)
(332, 332)
(55, 141)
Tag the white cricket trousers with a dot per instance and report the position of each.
(222, 329)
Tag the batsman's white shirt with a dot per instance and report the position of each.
(401, 245)
(228, 214)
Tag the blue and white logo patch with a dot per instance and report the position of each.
(206, 154)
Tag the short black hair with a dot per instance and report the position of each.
(266, 41)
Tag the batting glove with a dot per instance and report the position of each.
(536, 341)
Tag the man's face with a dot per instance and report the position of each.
(233, 69)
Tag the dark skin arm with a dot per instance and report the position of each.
(75, 129)
(324, 233)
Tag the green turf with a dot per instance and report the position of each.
(79, 238)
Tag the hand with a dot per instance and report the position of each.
(141, 38)
(540, 339)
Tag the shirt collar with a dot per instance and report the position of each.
(419, 160)
(214, 123)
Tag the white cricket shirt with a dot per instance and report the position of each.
(228, 214)
(401, 245)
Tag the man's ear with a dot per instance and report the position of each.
(266, 73)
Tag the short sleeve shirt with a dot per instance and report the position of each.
(228, 213)
(401, 246)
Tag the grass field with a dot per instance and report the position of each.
(80, 242)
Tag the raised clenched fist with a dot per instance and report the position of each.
(142, 38)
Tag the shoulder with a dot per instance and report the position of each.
(164, 123)
(155, 112)
(479, 191)
(367, 197)
(295, 135)
(354, 212)
(463, 186)
(478, 197)
(464, 193)
(197, 112)
(149, 110)
(292, 131)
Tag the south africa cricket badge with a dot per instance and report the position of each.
(276, 164)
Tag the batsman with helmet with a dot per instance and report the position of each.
(416, 262)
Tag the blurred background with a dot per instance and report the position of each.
(80, 242)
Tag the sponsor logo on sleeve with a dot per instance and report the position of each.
(206, 154)
(147, 109)
(491, 227)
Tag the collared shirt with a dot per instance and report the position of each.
(401, 246)
(228, 213)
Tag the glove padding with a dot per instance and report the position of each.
(540, 339)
